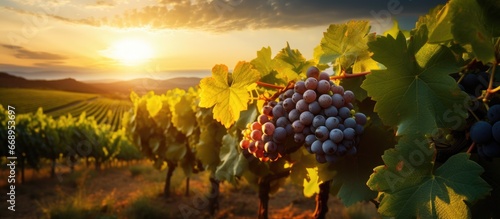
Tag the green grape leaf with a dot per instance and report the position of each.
(290, 64)
(469, 25)
(233, 163)
(415, 92)
(183, 117)
(228, 97)
(248, 116)
(438, 22)
(345, 45)
(263, 62)
(441, 194)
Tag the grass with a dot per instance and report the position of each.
(79, 205)
(145, 207)
(137, 170)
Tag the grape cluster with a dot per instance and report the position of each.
(315, 113)
(487, 134)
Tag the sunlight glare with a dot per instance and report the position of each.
(130, 52)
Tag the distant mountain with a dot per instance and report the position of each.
(144, 85)
(68, 84)
(140, 86)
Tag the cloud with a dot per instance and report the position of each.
(103, 4)
(22, 53)
(42, 2)
(226, 15)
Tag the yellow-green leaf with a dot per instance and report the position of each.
(227, 92)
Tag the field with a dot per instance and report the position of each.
(61, 103)
(135, 192)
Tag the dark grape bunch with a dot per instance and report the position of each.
(487, 133)
(316, 113)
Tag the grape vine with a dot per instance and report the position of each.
(420, 122)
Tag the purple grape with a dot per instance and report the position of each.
(360, 118)
(344, 112)
(332, 123)
(310, 140)
(288, 104)
(306, 118)
(349, 96)
(302, 106)
(329, 147)
(300, 87)
(309, 96)
(325, 101)
(288, 93)
(359, 129)
(481, 133)
(336, 135)
(317, 147)
(293, 115)
(270, 147)
(279, 134)
(296, 97)
(323, 87)
(282, 122)
(278, 111)
(350, 123)
(325, 76)
(331, 111)
(312, 72)
(338, 100)
(349, 133)
(299, 138)
(319, 120)
(297, 126)
(337, 89)
(315, 108)
(322, 133)
(311, 83)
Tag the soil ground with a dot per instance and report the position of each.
(114, 192)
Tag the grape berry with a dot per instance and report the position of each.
(316, 113)
(487, 134)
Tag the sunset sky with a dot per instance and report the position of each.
(124, 39)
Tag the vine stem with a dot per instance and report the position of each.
(471, 147)
(264, 84)
(343, 76)
(490, 85)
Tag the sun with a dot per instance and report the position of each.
(130, 52)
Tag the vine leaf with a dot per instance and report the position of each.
(431, 195)
(415, 92)
(228, 92)
(154, 105)
(183, 117)
(471, 26)
(233, 163)
(345, 45)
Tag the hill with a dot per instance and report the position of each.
(68, 84)
(144, 85)
(122, 88)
